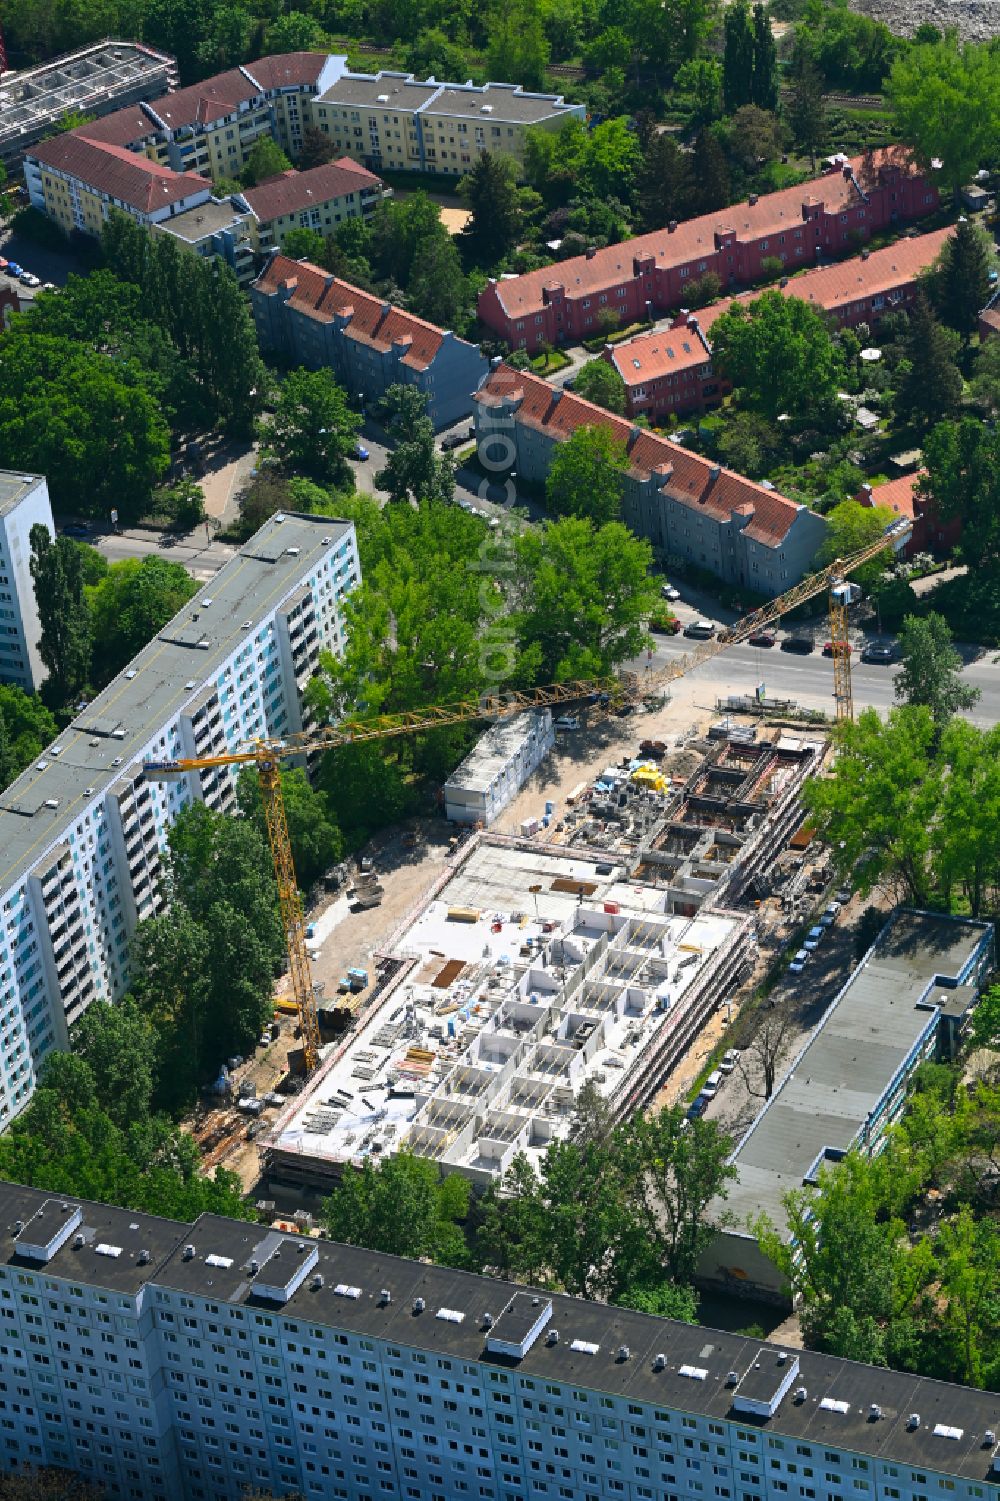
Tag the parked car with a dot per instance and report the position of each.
(813, 939)
(697, 1107)
(828, 648)
(701, 630)
(801, 645)
(567, 722)
(762, 638)
(729, 1060)
(669, 592)
(13, 269)
(799, 962)
(844, 895)
(29, 279)
(359, 451)
(76, 529)
(879, 651)
(830, 913)
(4, 263)
(453, 440)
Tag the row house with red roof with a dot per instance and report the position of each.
(670, 372)
(650, 275)
(311, 318)
(903, 497)
(685, 505)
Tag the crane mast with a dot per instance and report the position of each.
(267, 755)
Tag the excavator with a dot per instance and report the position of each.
(268, 755)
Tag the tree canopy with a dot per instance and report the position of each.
(587, 475)
(401, 1206)
(26, 728)
(598, 381)
(931, 668)
(313, 428)
(133, 600)
(945, 98)
(780, 355)
(65, 641)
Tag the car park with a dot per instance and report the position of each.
(881, 652)
(813, 938)
(567, 722)
(801, 645)
(701, 630)
(762, 638)
(799, 962)
(669, 592)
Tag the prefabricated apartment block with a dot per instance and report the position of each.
(906, 1002)
(524, 976)
(82, 830)
(497, 768)
(175, 1362)
(24, 503)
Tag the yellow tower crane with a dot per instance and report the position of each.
(267, 755)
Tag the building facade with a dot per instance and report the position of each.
(82, 831)
(650, 275)
(312, 318)
(396, 120)
(494, 772)
(319, 199)
(77, 183)
(96, 80)
(928, 532)
(175, 1362)
(24, 503)
(669, 372)
(684, 504)
(907, 1002)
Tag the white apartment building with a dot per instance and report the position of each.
(24, 503)
(82, 830)
(175, 1362)
(494, 772)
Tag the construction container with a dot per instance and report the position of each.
(464, 914)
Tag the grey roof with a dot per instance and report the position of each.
(505, 102)
(365, 1292)
(205, 219)
(494, 750)
(849, 1061)
(14, 487)
(118, 724)
(405, 92)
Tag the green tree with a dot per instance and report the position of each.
(587, 475)
(295, 32)
(183, 503)
(518, 47)
(985, 383)
(433, 55)
(315, 839)
(168, 957)
(585, 593)
(878, 809)
(399, 229)
(805, 110)
(749, 444)
(414, 468)
(850, 527)
(304, 244)
(984, 1031)
(964, 278)
(930, 674)
(65, 640)
(764, 78)
(316, 150)
(119, 1044)
(966, 857)
(665, 1300)
(599, 382)
(738, 57)
(402, 409)
(699, 82)
(491, 192)
(438, 290)
(132, 602)
(612, 159)
(265, 159)
(945, 100)
(963, 482)
(400, 1207)
(313, 428)
(26, 727)
(968, 1254)
(709, 175)
(779, 352)
(366, 790)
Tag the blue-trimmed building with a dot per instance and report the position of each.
(908, 1001)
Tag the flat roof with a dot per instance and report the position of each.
(205, 219)
(14, 487)
(599, 1348)
(504, 101)
(114, 729)
(841, 1075)
(403, 90)
(493, 752)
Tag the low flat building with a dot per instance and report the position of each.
(493, 773)
(24, 503)
(237, 1356)
(907, 1001)
(81, 831)
(684, 504)
(95, 80)
(319, 199)
(312, 318)
(216, 227)
(645, 277)
(394, 120)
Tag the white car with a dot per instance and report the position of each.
(813, 938)
(830, 914)
(669, 592)
(729, 1061)
(799, 962)
(30, 280)
(567, 722)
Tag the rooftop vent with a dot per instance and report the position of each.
(383, 98)
(254, 1267)
(659, 1362)
(989, 1438)
(945, 1430)
(206, 601)
(552, 1338)
(345, 1290)
(584, 1346)
(874, 1412)
(694, 1372)
(18, 1226)
(733, 1379)
(450, 1315)
(419, 1304)
(801, 1393)
(191, 683)
(317, 1282)
(51, 802)
(188, 1253)
(144, 1257)
(78, 1242)
(293, 552)
(385, 1297)
(913, 1421)
(247, 625)
(104, 1249)
(89, 791)
(222, 1262)
(833, 1404)
(623, 1352)
(130, 674)
(487, 1321)
(56, 750)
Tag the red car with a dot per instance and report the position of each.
(828, 649)
(666, 627)
(762, 638)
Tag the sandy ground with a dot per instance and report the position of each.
(454, 219)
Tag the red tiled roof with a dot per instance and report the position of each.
(898, 494)
(649, 356)
(991, 317)
(323, 297)
(688, 478)
(771, 213)
(282, 70)
(205, 102)
(122, 174)
(291, 191)
(123, 128)
(831, 287)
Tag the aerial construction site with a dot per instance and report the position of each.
(591, 951)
